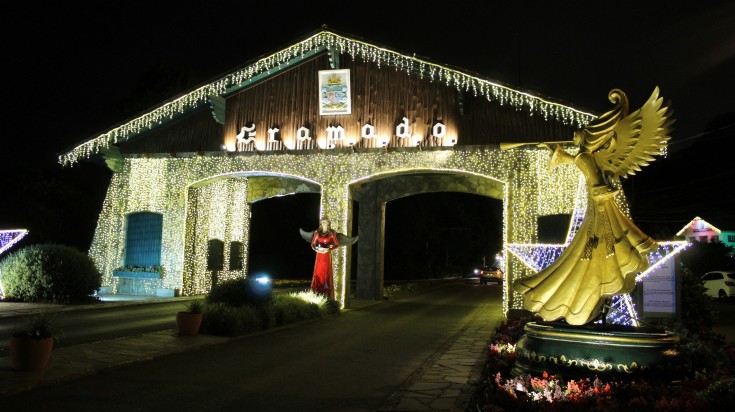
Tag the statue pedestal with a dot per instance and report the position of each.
(606, 351)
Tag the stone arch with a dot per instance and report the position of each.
(167, 186)
(218, 207)
(373, 194)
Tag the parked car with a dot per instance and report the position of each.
(486, 274)
(719, 283)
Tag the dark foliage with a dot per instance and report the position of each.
(237, 292)
(697, 313)
(332, 307)
(37, 325)
(701, 257)
(50, 273)
(227, 320)
(223, 319)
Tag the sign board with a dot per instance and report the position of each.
(660, 290)
(334, 92)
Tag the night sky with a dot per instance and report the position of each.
(72, 72)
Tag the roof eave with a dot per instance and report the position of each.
(314, 44)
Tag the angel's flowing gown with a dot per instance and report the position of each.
(323, 281)
(602, 259)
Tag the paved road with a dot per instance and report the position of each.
(351, 362)
(82, 324)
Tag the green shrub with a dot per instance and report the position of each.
(49, 273)
(697, 312)
(37, 325)
(289, 308)
(332, 307)
(232, 292)
(720, 395)
(697, 356)
(250, 318)
(267, 315)
(195, 306)
(236, 292)
(226, 320)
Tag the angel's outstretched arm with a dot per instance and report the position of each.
(559, 156)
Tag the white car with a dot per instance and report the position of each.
(719, 283)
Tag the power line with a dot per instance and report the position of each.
(688, 183)
(705, 133)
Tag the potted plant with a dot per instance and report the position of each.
(32, 344)
(189, 321)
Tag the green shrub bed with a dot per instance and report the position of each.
(232, 313)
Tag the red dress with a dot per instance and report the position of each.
(323, 281)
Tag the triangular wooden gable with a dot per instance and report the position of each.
(415, 90)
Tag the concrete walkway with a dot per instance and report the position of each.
(444, 382)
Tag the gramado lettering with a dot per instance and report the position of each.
(337, 134)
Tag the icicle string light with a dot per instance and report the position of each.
(322, 41)
(665, 251)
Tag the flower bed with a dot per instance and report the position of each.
(709, 386)
(136, 274)
(142, 272)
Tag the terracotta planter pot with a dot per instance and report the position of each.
(188, 323)
(30, 354)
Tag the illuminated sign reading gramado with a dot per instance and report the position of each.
(336, 134)
(335, 99)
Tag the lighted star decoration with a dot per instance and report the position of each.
(7, 239)
(538, 256)
(10, 237)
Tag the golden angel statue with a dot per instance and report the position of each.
(608, 250)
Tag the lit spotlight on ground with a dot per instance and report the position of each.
(261, 286)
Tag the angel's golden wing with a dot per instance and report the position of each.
(637, 138)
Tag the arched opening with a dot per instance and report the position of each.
(276, 247)
(437, 235)
(436, 214)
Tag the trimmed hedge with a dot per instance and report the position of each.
(49, 273)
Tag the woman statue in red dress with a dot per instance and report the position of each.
(323, 242)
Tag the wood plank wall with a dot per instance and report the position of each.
(380, 96)
(195, 132)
